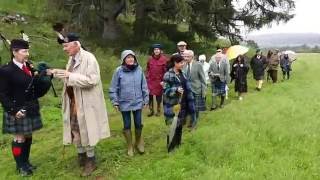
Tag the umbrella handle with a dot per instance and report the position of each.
(177, 107)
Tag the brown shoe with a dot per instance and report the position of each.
(82, 157)
(89, 167)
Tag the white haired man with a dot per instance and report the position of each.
(195, 74)
(84, 111)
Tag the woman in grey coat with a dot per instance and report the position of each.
(129, 93)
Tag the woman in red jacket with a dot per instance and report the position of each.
(156, 67)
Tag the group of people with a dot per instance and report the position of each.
(85, 120)
(178, 84)
(270, 64)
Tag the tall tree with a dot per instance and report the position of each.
(108, 11)
(204, 18)
(226, 17)
(94, 15)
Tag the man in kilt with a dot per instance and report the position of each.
(20, 89)
(219, 73)
(197, 78)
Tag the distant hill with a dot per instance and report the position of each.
(280, 40)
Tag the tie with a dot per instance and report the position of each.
(26, 70)
(188, 70)
(218, 66)
(73, 62)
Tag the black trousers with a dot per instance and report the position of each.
(286, 73)
(158, 99)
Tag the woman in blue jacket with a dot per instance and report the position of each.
(129, 94)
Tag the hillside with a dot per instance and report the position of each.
(280, 40)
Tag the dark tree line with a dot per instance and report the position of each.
(207, 19)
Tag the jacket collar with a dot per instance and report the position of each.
(13, 65)
(126, 69)
(171, 71)
(19, 64)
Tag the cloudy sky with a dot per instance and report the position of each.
(306, 20)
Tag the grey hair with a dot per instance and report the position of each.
(189, 52)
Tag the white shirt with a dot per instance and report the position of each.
(18, 63)
(190, 64)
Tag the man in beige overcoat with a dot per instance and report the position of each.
(85, 120)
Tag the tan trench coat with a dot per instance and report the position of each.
(91, 109)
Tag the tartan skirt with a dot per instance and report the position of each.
(200, 103)
(23, 126)
(218, 88)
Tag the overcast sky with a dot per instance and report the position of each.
(306, 20)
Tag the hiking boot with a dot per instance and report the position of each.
(89, 166)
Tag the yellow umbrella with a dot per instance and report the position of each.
(235, 51)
